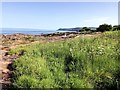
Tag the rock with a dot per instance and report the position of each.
(0, 57)
(71, 36)
(4, 71)
(5, 48)
(4, 82)
(5, 76)
(4, 53)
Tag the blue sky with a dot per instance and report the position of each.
(54, 15)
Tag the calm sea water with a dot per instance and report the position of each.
(9, 31)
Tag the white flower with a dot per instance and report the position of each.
(70, 49)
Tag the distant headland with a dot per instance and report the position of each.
(76, 29)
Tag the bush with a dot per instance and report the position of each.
(104, 27)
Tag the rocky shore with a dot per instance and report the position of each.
(15, 39)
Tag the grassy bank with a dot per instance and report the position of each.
(82, 62)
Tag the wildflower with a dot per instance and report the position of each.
(70, 49)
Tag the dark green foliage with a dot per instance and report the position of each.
(104, 27)
(116, 27)
(85, 29)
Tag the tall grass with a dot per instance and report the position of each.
(84, 62)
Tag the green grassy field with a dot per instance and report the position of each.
(83, 62)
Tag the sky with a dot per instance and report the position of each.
(55, 15)
(119, 13)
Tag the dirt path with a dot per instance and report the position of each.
(6, 72)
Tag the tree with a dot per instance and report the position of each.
(116, 27)
(104, 27)
(85, 29)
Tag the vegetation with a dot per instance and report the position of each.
(101, 28)
(104, 27)
(84, 62)
(85, 29)
(116, 27)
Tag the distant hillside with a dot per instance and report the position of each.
(75, 29)
(70, 29)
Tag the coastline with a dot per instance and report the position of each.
(20, 38)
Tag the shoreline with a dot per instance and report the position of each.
(21, 38)
(48, 34)
(33, 32)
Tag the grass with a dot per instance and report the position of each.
(84, 62)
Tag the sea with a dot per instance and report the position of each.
(9, 31)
